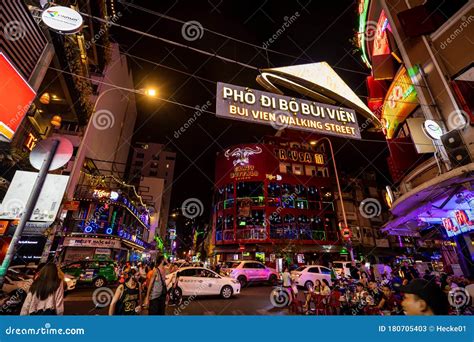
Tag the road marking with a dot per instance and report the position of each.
(237, 312)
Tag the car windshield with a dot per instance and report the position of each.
(300, 269)
(232, 264)
(338, 264)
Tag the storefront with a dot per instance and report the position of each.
(445, 203)
(84, 247)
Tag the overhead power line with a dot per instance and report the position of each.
(149, 35)
(161, 15)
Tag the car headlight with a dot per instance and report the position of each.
(235, 281)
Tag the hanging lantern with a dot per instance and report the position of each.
(45, 98)
(56, 121)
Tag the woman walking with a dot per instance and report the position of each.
(46, 294)
(127, 298)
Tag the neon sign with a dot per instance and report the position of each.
(303, 157)
(101, 193)
(458, 224)
(400, 101)
(363, 9)
(30, 141)
(381, 45)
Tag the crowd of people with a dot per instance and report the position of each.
(144, 286)
(394, 291)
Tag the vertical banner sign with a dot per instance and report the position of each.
(255, 106)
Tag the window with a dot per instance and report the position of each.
(317, 223)
(250, 265)
(190, 272)
(273, 190)
(313, 270)
(140, 155)
(249, 189)
(298, 169)
(323, 172)
(153, 173)
(310, 170)
(219, 223)
(203, 273)
(325, 270)
(139, 163)
(229, 222)
(285, 168)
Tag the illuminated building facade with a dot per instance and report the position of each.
(420, 86)
(274, 199)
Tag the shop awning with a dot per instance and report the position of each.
(431, 201)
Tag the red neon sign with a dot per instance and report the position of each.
(462, 218)
(381, 45)
(16, 96)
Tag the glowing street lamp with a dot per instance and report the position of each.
(149, 92)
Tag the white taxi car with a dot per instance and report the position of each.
(200, 281)
(307, 275)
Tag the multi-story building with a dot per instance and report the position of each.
(274, 199)
(76, 79)
(150, 162)
(421, 82)
(366, 212)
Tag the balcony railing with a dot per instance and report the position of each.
(277, 234)
(252, 234)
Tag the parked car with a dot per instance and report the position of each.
(307, 275)
(249, 271)
(199, 281)
(15, 280)
(92, 272)
(21, 276)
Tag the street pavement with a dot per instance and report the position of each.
(253, 300)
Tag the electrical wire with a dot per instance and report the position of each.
(164, 16)
(149, 35)
(194, 108)
(161, 15)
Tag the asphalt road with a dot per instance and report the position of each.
(253, 300)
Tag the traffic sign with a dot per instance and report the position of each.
(61, 157)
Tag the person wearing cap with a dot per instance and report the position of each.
(422, 297)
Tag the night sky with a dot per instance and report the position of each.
(321, 32)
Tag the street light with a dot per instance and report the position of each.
(150, 92)
(344, 217)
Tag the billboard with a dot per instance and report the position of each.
(49, 200)
(260, 107)
(16, 96)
